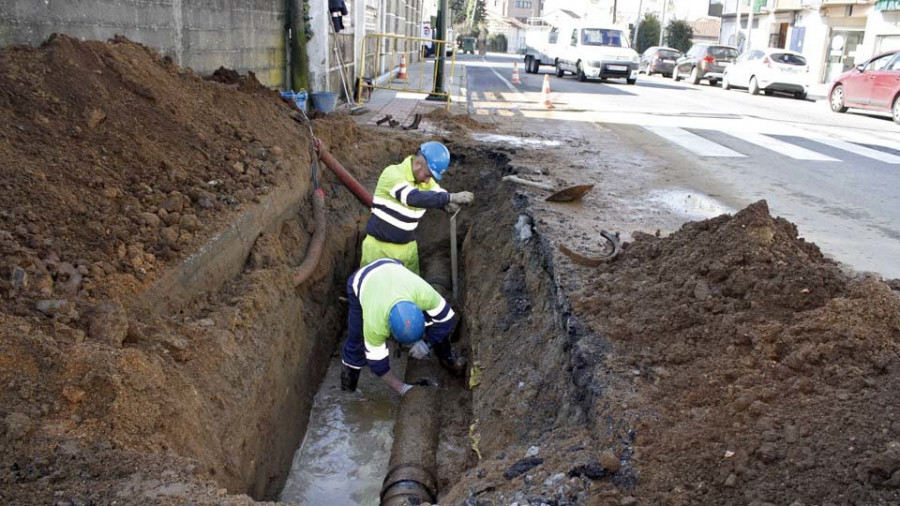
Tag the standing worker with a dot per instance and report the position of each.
(385, 299)
(403, 193)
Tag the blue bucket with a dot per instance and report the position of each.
(298, 97)
(324, 101)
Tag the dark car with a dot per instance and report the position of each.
(658, 60)
(873, 85)
(704, 61)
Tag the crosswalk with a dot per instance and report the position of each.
(714, 143)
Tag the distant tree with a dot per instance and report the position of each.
(458, 8)
(679, 34)
(475, 13)
(648, 32)
(497, 43)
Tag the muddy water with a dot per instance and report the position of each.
(344, 456)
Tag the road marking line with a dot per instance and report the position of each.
(693, 142)
(507, 83)
(881, 156)
(782, 147)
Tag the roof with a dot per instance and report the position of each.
(706, 27)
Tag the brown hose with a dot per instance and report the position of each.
(317, 244)
(349, 181)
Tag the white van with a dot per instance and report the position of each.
(596, 51)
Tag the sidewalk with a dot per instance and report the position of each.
(404, 101)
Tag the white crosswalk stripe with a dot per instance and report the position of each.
(784, 148)
(700, 145)
(881, 156)
(693, 142)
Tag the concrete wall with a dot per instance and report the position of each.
(244, 35)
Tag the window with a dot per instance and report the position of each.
(878, 63)
(895, 65)
(574, 37)
(523, 4)
(554, 36)
(602, 37)
(724, 52)
(789, 59)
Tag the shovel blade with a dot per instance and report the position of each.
(571, 193)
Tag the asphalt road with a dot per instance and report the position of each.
(835, 175)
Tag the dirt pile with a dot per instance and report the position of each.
(759, 372)
(119, 162)
(119, 166)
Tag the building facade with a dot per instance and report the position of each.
(833, 35)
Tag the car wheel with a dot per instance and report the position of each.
(754, 86)
(631, 81)
(768, 93)
(725, 84)
(837, 99)
(559, 71)
(528, 60)
(896, 109)
(581, 77)
(713, 82)
(695, 76)
(800, 95)
(675, 76)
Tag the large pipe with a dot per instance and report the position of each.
(349, 181)
(317, 244)
(411, 478)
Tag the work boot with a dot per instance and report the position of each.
(349, 378)
(454, 364)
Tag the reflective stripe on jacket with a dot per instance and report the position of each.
(379, 286)
(399, 202)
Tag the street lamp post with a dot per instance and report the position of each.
(440, 52)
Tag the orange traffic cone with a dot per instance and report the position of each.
(402, 73)
(515, 79)
(545, 92)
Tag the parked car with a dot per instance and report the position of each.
(592, 51)
(704, 61)
(658, 60)
(769, 70)
(873, 85)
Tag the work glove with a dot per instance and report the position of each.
(419, 350)
(462, 198)
(451, 207)
(405, 388)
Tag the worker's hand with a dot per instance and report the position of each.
(462, 198)
(419, 350)
(405, 388)
(451, 207)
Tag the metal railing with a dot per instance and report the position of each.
(395, 47)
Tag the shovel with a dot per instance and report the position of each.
(569, 194)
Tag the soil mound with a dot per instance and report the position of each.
(459, 123)
(119, 162)
(762, 372)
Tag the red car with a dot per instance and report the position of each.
(873, 85)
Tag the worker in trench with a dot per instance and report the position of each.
(388, 299)
(403, 194)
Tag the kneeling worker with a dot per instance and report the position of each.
(403, 194)
(386, 298)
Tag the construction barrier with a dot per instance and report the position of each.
(394, 49)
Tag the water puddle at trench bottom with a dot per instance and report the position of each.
(344, 457)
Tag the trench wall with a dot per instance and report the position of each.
(244, 35)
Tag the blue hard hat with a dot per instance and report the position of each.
(407, 322)
(437, 156)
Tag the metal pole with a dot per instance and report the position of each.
(637, 26)
(662, 23)
(454, 262)
(615, 7)
(737, 26)
(750, 25)
(443, 9)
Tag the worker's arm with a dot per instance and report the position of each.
(434, 197)
(377, 359)
(439, 316)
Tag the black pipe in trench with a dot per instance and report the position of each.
(412, 477)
